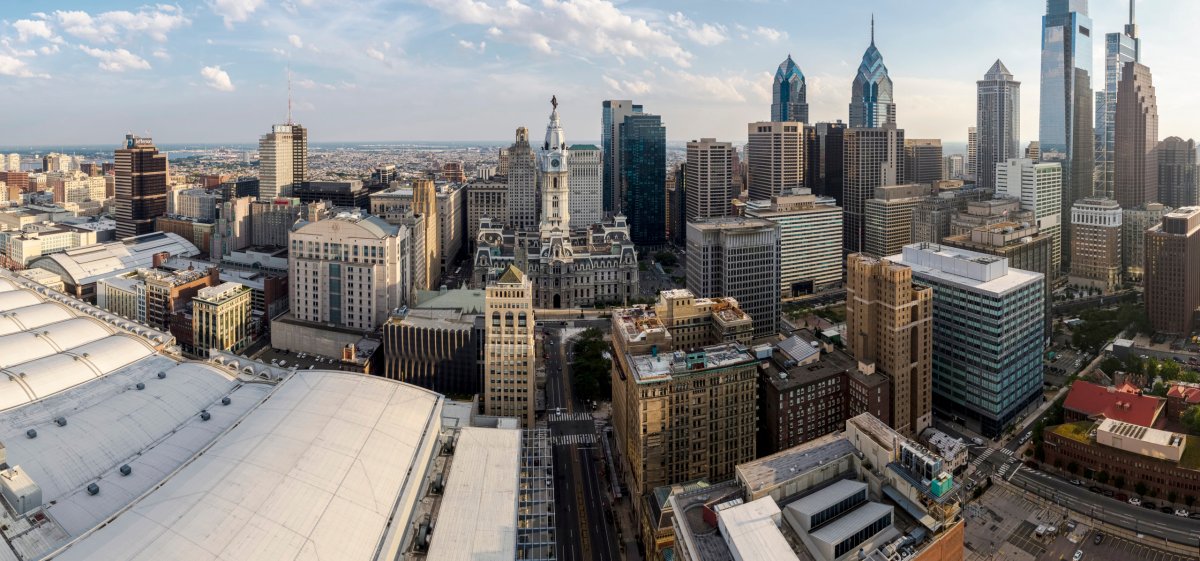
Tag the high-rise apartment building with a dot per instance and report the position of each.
(644, 175)
(283, 160)
(587, 165)
(922, 160)
(997, 122)
(889, 323)
(775, 158)
(1178, 174)
(708, 179)
(789, 93)
(221, 318)
(612, 115)
(889, 218)
(823, 159)
(871, 102)
(874, 157)
(425, 204)
(349, 270)
(954, 166)
(1039, 188)
(1172, 272)
(1065, 133)
(1096, 244)
(988, 369)
(1119, 49)
(972, 162)
(810, 240)
(522, 184)
(739, 258)
(1134, 223)
(1136, 172)
(509, 373)
(141, 186)
(677, 206)
(486, 199)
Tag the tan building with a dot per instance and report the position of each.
(889, 217)
(708, 179)
(775, 158)
(1096, 244)
(1137, 138)
(486, 199)
(509, 375)
(1134, 223)
(425, 204)
(1021, 243)
(221, 318)
(1172, 278)
(889, 322)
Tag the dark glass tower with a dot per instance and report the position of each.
(612, 114)
(871, 102)
(643, 141)
(789, 94)
(141, 186)
(997, 122)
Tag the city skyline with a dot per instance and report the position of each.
(224, 64)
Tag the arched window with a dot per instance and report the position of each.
(508, 319)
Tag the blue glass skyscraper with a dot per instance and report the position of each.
(1119, 48)
(789, 94)
(871, 103)
(643, 140)
(612, 114)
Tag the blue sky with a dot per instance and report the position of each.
(76, 71)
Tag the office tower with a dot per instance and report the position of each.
(451, 223)
(197, 204)
(141, 186)
(643, 141)
(810, 240)
(612, 115)
(1136, 174)
(1119, 49)
(823, 159)
(438, 345)
(682, 375)
(789, 94)
(988, 369)
(486, 199)
(954, 166)
(738, 258)
(708, 179)
(889, 218)
(1134, 223)
(509, 379)
(873, 158)
(677, 207)
(997, 122)
(1033, 151)
(283, 160)
(425, 204)
(349, 270)
(1096, 244)
(1172, 272)
(972, 170)
(522, 184)
(775, 159)
(889, 324)
(1178, 175)
(1039, 188)
(1065, 118)
(871, 102)
(933, 216)
(14, 162)
(586, 163)
(922, 160)
(231, 227)
(221, 318)
(454, 172)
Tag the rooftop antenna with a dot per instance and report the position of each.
(289, 114)
(872, 28)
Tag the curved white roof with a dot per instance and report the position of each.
(7, 285)
(31, 317)
(15, 299)
(88, 264)
(39, 378)
(23, 347)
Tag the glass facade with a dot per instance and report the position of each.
(789, 94)
(849, 544)
(871, 102)
(1119, 48)
(643, 141)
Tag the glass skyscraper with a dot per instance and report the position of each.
(1119, 48)
(612, 114)
(643, 145)
(1065, 121)
(789, 94)
(998, 122)
(871, 103)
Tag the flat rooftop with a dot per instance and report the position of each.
(788, 464)
(657, 367)
(478, 516)
(975, 271)
(752, 530)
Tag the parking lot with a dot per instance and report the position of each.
(302, 361)
(1119, 549)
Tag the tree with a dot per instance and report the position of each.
(1191, 419)
(1140, 488)
(1072, 467)
(590, 370)
(1119, 482)
(1111, 365)
(1169, 370)
(1102, 477)
(667, 258)
(1159, 389)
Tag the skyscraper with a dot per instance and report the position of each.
(739, 258)
(522, 183)
(509, 381)
(1065, 118)
(643, 142)
(708, 179)
(1039, 188)
(972, 171)
(871, 102)
(775, 158)
(1172, 274)
(612, 114)
(823, 159)
(141, 186)
(874, 157)
(888, 218)
(1134, 223)
(997, 122)
(1119, 48)
(283, 160)
(1096, 244)
(1136, 180)
(789, 94)
(922, 160)
(586, 164)
(810, 232)
(1178, 175)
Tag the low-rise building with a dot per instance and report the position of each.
(438, 344)
(1096, 244)
(82, 267)
(221, 318)
(1088, 401)
(1165, 462)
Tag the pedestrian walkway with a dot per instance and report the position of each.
(573, 439)
(982, 458)
(584, 416)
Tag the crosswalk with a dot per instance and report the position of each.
(982, 458)
(581, 416)
(588, 438)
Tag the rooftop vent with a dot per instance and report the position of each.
(93, 489)
(60, 421)
(162, 375)
(205, 415)
(140, 386)
(226, 401)
(31, 433)
(126, 470)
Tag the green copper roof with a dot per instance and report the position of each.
(584, 147)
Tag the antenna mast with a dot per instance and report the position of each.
(289, 114)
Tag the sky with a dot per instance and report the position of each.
(88, 71)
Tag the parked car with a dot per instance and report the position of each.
(1095, 489)
(1181, 512)
(1076, 482)
(1149, 505)
(1135, 501)
(1098, 538)
(1166, 510)
(1078, 555)
(1194, 516)
(1120, 497)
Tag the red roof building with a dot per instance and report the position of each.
(1090, 401)
(1181, 396)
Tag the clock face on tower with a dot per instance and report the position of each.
(554, 162)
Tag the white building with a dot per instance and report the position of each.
(708, 179)
(810, 232)
(197, 204)
(36, 240)
(585, 164)
(1039, 188)
(81, 267)
(283, 160)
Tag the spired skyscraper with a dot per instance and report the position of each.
(998, 122)
(789, 95)
(1119, 48)
(871, 102)
(1065, 121)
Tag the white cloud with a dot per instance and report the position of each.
(234, 11)
(216, 78)
(122, 25)
(13, 66)
(48, 49)
(376, 54)
(473, 47)
(295, 41)
(117, 60)
(161, 54)
(632, 87)
(28, 29)
(770, 34)
(704, 34)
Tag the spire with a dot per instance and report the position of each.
(1131, 27)
(873, 27)
(289, 115)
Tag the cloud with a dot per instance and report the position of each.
(596, 27)
(632, 87)
(48, 49)
(771, 34)
(376, 54)
(13, 66)
(28, 29)
(117, 60)
(473, 47)
(216, 78)
(704, 34)
(295, 41)
(234, 11)
(122, 25)
(161, 54)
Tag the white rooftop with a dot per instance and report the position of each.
(85, 265)
(752, 532)
(968, 269)
(850, 523)
(478, 515)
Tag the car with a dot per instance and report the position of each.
(1076, 482)
(1078, 555)
(1135, 501)
(1194, 516)
(1166, 510)
(1095, 489)
(1182, 513)
(1149, 505)
(978, 441)
(1108, 493)
(1098, 538)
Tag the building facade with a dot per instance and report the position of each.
(509, 375)
(587, 175)
(1136, 163)
(440, 349)
(1178, 174)
(1119, 49)
(1096, 244)
(644, 175)
(1021, 243)
(922, 160)
(486, 199)
(789, 93)
(810, 240)
(873, 158)
(1172, 272)
(739, 258)
(221, 318)
(997, 122)
(889, 218)
(775, 158)
(1039, 188)
(1134, 223)
(708, 179)
(522, 183)
(823, 159)
(283, 160)
(612, 116)
(141, 186)
(871, 102)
